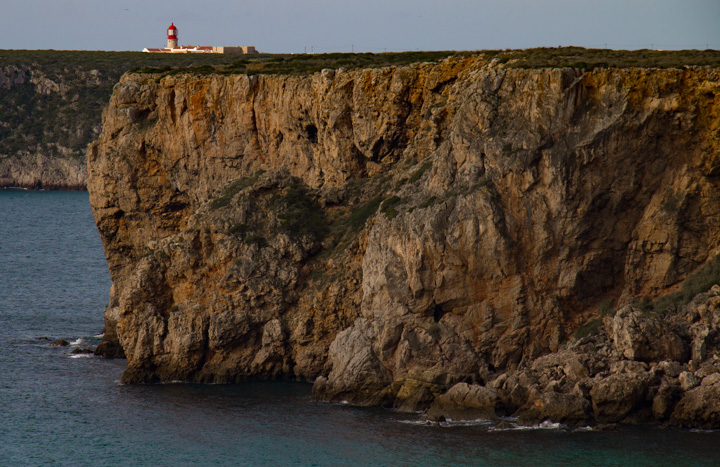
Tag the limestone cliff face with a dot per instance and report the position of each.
(32, 103)
(392, 232)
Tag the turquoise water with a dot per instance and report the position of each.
(60, 410)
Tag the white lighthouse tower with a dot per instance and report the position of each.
(172, 37)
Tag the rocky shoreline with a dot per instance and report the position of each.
(638, 368)
(38, 172)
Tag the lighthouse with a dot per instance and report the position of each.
(173, 47)
(172, 37)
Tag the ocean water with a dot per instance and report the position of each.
(57, 408)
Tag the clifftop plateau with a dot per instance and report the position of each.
(463, 236)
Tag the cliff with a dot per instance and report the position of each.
(437, 235)
(51, 107)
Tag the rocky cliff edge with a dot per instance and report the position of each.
(424, 236)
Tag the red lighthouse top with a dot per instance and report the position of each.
(172, 31)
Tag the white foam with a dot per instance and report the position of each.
(81, 355)
(419, 422)
(78, 341)
(100, 336)
(475, 422)
(542, 426)
(483, 422)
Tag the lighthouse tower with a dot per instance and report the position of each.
(172, 37)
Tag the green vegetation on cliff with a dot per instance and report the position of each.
(545, 57)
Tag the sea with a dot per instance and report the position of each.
(62, 408)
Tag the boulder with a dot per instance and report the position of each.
(615, 396)
(570, 409)
(642, 336)
(688, 380)
(699, 407)
(357, 375)
(514, 389)
(465, 402)
(570, 363)
(669, 369)
(110, 349)
(60, 343)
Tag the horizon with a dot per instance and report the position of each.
(322, 26)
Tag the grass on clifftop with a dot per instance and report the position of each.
(545, 57)
(579, 57)
(303, 64)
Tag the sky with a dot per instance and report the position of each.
(294, 26)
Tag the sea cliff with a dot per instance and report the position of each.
(51, 104)
(462, 236)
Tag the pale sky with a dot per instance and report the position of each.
(283, 26)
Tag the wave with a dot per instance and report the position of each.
(512, 425)
(448, 423)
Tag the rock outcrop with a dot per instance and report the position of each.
(416, 236)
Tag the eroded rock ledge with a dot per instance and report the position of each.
(638, 367)
(427, 236)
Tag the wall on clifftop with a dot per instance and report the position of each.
(394, 231)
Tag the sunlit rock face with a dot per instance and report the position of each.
(394, 232)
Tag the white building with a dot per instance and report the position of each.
(173, 47)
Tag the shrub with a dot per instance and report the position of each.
(299, 214)
(590, 328)
(420, 172)
(234, 188)
(257, 239)
(239, 230)
(361, 214)
(671, 204)
(429, 202)
(388, 206)
(434, 330)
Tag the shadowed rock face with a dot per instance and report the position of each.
(394, 232)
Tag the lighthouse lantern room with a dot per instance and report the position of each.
(172, 40)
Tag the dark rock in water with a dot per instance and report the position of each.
(108, 349)
(569, 409)
(44, 338)
(504, 425)
(700, 407)
(82, 351)
(60, 343)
